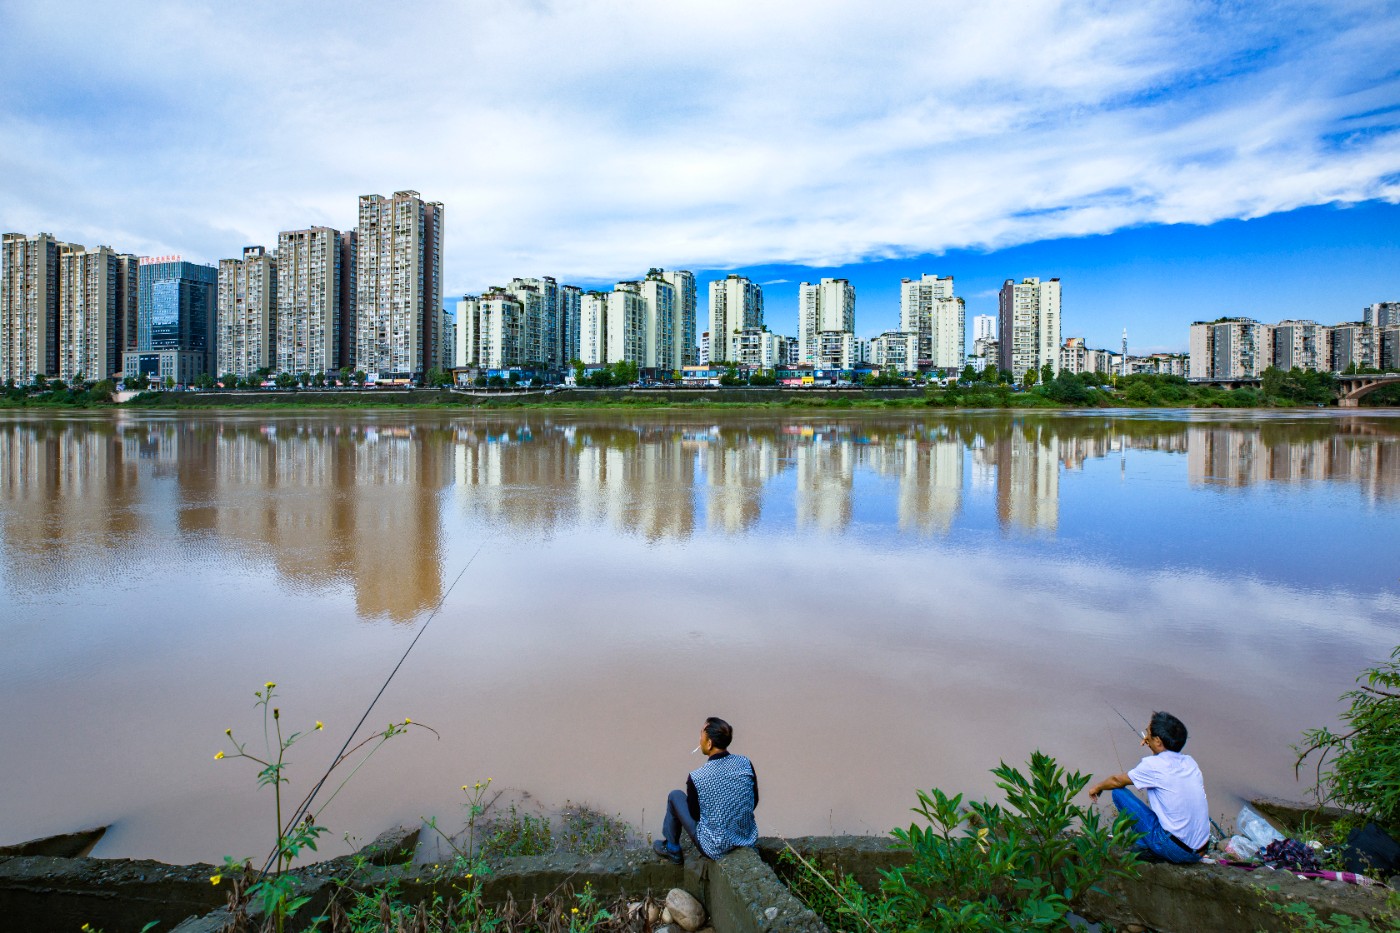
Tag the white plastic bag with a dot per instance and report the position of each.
(1241, 849)
(1256, 828)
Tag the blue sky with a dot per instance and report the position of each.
(1167, 159)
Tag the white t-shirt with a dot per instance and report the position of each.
(1177, 794)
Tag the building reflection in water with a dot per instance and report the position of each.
(358, 501)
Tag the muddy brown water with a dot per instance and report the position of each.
(877, 602)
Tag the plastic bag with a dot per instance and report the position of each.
(1241, 849)
(1256, 828)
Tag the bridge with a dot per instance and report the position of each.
(1352, 387)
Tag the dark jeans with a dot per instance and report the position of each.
(1154, 839)
(678, 818)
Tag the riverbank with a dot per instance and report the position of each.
(725, 399)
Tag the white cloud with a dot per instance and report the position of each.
(592, 139)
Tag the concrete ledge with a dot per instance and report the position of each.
(45, 893)
(1167, 898)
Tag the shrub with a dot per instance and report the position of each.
(985, 866)
(1364, 774)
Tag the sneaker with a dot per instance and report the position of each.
(660, 848)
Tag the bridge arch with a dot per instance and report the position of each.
(1354, 388)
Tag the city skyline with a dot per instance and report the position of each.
(1151, 156)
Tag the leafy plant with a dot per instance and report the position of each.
(987, 867)
(273, 888)
(1364, 772)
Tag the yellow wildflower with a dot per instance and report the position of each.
(228, 732)
(468, 875)
(269, 685)
(573, 910)
(218, 756)
(320, 725)
(215, 879)
(407, 721)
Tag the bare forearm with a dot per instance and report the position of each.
(1112, 782)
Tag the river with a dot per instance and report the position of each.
(877, 603)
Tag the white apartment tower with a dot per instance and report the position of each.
(984, 327)
(1029, 318)
(468, 336)
(592, 331)
(661, 312)
(626, 324)
(309, 313)
(540, 339)
(398, 272)
(824, 311)
(735, 303)
(245, 314)
(929, 309)
(500, 320)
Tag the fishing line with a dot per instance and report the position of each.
(1140, 733)
(305, 807)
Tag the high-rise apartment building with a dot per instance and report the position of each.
(824, 311)
(929, 309)
(659, 343)
(1029, 324)
(897, 349)
(499, 340)
(93, 295)
(1300, 344)
(246, 314)
(626, 324)
(175, 325)
(468, 331)
(685, 352)
(28, 306)
(735, 303)
(310, 315)
(984, 327)
(1383, 314)
(570, 298)
(398, 295)
(1353, 344)
(1229, 348)
(593, 329)
(349, 256)
(540, 335)
(449, 340)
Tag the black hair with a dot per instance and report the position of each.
(720, 732)
(1170, 730)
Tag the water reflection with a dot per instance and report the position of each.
(330, 500)
(942, 591)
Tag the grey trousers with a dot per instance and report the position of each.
(678, 818)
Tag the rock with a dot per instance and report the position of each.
(667, 916)
(635, 910)
(688, 913)
(653, 912)
(68, 845)
(667, 928)
(771, 913)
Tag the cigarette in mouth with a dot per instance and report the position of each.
(697, 748)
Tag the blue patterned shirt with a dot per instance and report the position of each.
(725, 791)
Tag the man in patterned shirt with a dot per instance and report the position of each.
(716, 807)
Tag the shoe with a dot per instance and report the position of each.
(660, 848)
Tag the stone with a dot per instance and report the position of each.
(667, 916)
(771, 913)
(653, 912)
(688, 913)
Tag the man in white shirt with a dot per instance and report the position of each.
(1175, 821)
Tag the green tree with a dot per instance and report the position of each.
(204, 381)
(731, 377)
(496, 382)
(285, 380)
(344, 375)
(170, 382)
(1030, 378)
(102, 390)
(319, 380)
(479, 381)
(969, 374)
(1047, 374)
(304, 378)
(359, 376)
(229, 381)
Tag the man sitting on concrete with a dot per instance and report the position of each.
(1175, 822)
(716, 807)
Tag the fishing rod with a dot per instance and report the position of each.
(305, 808)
